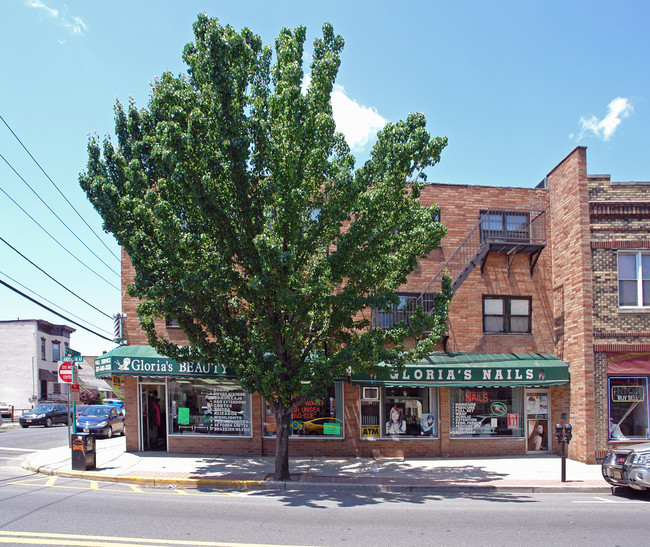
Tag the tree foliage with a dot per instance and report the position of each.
(90, 397)
(245, 219)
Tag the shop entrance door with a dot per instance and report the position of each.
(538, 404)
(153, 430)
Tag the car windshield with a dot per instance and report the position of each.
(43, 408)
(96, 411)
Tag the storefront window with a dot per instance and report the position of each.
(628, 408)
(211, 407)
(487, 412)
(316, 418)
(401, 412)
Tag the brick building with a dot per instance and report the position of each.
(537, 336)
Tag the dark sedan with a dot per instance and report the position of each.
(46, 414)
(103, 420)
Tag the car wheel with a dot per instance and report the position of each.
(48, 422)
(109, 433)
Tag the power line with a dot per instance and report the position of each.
(56, 241)
(53, 311)
(57, 216)
(48, 275)
(50, 302)
(60, 192)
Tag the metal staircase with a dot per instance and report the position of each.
(510, 232)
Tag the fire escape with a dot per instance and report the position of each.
(509, 232)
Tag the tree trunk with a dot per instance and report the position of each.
(282, 420)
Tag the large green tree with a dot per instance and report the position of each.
(246, 221)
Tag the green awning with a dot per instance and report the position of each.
(146, 361)
(474, 370)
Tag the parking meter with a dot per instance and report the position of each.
(568, 432)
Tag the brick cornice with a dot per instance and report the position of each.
(616, 347)
(624, 210)
(621, 244)
(621, 334)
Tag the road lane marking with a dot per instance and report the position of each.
(10, 449)
(44, 538)
(83, 484)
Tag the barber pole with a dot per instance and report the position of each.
(117, 328)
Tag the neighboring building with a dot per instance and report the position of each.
(89, 382)
(548, 325)
(32, 352)
(602, 300)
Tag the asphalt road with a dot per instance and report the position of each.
(43, 510)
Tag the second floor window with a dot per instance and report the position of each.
(507, 314)
(43, 349)
(634, 279)
(56, 351)
(386, 318)
(509, 225)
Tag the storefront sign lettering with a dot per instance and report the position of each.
(136, 366)
(472, 397)
(466, 374)
(370, 431)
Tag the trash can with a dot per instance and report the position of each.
(83, 452)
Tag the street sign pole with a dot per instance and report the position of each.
(69, 397)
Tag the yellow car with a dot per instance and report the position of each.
(323, 426)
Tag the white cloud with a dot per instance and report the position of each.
(604, 128)
(38, 4)
(358, 123)
(77, 26)
(73, 23)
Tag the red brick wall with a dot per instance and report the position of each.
(572, 286)
(460, 208)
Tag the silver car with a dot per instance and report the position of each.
(628, 466)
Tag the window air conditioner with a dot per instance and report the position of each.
(370, 394)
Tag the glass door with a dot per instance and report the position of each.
(153, 429)
(538, 420)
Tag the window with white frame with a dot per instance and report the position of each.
(507, 314)
(634, 279)
(56, 351)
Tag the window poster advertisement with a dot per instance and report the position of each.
(396, 420)
(428, 424)
(537, 404)
(537, 435)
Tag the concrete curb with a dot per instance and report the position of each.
(269, 485)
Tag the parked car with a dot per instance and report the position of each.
(5, 410)
(628, 466)
(113, 402)
(79, 410)
(46, 415)
(103, 420)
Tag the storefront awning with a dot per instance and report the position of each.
(146, 361)
(44, 374)
(474, 370)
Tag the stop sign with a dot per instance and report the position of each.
(65, 372)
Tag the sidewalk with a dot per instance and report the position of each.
(160, 469)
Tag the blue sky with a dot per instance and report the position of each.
(514, 85)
